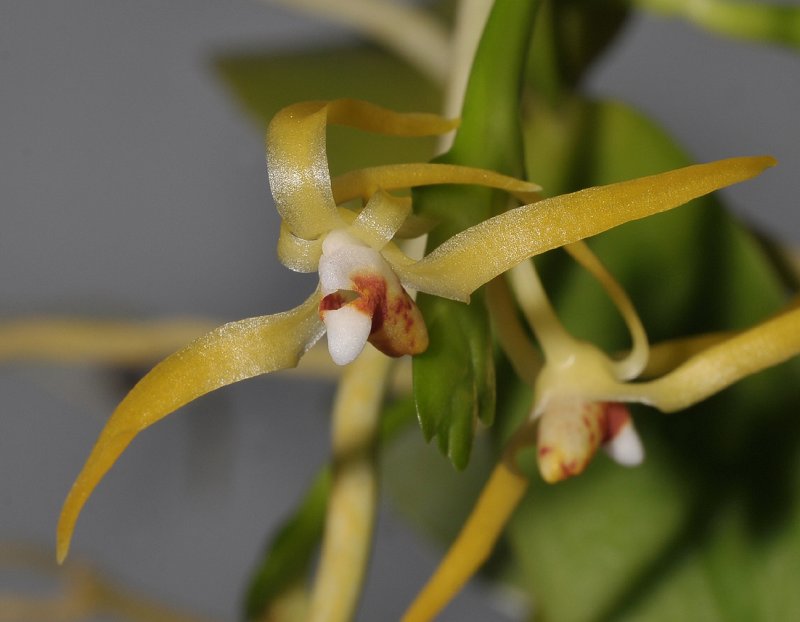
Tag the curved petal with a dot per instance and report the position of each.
(231, 353)
(297, 160)
(381, 218)
(634, 361)
(366, 181)
(719, 366)
(475, 256)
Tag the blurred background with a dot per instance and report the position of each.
(133, 184)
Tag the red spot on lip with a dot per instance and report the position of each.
(543, 451)
(570, 468)
(372, 289)
(331, 302)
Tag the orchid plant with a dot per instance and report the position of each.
(495, 346)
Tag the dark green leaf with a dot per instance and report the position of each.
(264, 84)
(454, 379)
(690, 534)
(289, 555)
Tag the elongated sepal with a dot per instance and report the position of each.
(724, 363)
(231, 353)
(473, 257)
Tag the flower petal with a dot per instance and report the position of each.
(724, 363)
(231, 353)
(634, 361)
(473, 257)
(297, 160)
(366, 181)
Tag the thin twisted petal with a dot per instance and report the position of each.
(231, 353)
(475, 256)
(636, 360)
(380, 219)
(297, 159)
(723, 364)
(365, 182)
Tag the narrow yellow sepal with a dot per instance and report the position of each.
(365, 182)
(228, 354)
(724, 363)
(475, 256)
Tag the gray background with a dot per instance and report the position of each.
(130, 183)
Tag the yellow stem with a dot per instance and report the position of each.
(410, 32)
(106, 342)
(354, 489)
(497, 502)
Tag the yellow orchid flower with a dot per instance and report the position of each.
(363, 273)
(579, 402)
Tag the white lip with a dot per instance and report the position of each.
(348, 331)
(348, 327)
(626, 447)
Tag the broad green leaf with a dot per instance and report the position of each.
(454, 379)
(290, 554)
(264, 84)
(689, 534)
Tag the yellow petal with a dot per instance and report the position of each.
(473, 257)
(365, 182)
(635, 361)
(380, 219)
(231, 353)
(719, 366)
(297, 160)
(667, 355)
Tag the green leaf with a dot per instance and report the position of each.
(289, 555)
(454, 379)
(264, 84)
(753, 21)
(689, 534)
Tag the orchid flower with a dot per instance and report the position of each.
(579, 401)
(363, 273)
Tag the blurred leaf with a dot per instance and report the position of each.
(264, 84)
(690, 533)
(764, 22)
(454, 384)
(289, 555)
(570, 36)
